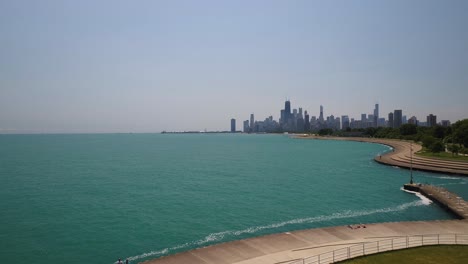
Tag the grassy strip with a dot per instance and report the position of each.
(441, 155)
(449, 254)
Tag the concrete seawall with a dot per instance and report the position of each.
(290, 246)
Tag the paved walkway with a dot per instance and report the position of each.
(401, 156)
(290, 246)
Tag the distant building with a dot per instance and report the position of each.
(445, 123)
(404, 120)
(376, 115)
(413, 121)
(337, 123)
(344, 122)
(320, 119)
(246, 126)
(306, 122)
(390, 120)
(287, 111)
(233, 125)
(381, 122)
(252, 121)
(431, 120)
(397, 118)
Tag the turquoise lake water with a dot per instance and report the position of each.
(94, 198)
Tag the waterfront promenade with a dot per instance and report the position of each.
(401, 156)
(291, 246)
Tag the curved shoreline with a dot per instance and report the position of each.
(289, 246)
(401, 156)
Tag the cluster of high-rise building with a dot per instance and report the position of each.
(298, 121)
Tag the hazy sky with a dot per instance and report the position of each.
(148, 66)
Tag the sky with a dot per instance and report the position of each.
(148, 66)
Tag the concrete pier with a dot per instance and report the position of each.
(450, 201)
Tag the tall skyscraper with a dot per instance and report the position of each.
(431, 120)
(306, 122)
(376, 115)
(287, 111)
(252, 122)
(390, 120)
(321, 115)
(397, 118)
(233, 125)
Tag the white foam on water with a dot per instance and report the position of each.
(424, 199)
(220, 235)
(447, 177)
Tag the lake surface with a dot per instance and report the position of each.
(94, 198)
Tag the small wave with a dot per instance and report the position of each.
(447, 177)
(424, 199)
(214, 237)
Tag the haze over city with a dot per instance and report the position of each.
(149, 66)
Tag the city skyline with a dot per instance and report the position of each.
(117, 66)
(296, 120)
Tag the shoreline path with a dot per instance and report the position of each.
(401, 156)
(289, 246)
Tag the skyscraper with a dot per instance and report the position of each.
(431, 120)
(306, 122)
(321, 114)
(251, 122)
(390, 119)
(246, 126)
(233, 125)
(287, 111)
(397, 118)
(344, 122)
(376, 115)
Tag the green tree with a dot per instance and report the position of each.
(408, 129)
(370, 131)
(438, 131)
(453, 148)
(460, 132)
(437, 146)
(428, 141)
(325, 131)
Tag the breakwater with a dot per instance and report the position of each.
(448, 200)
